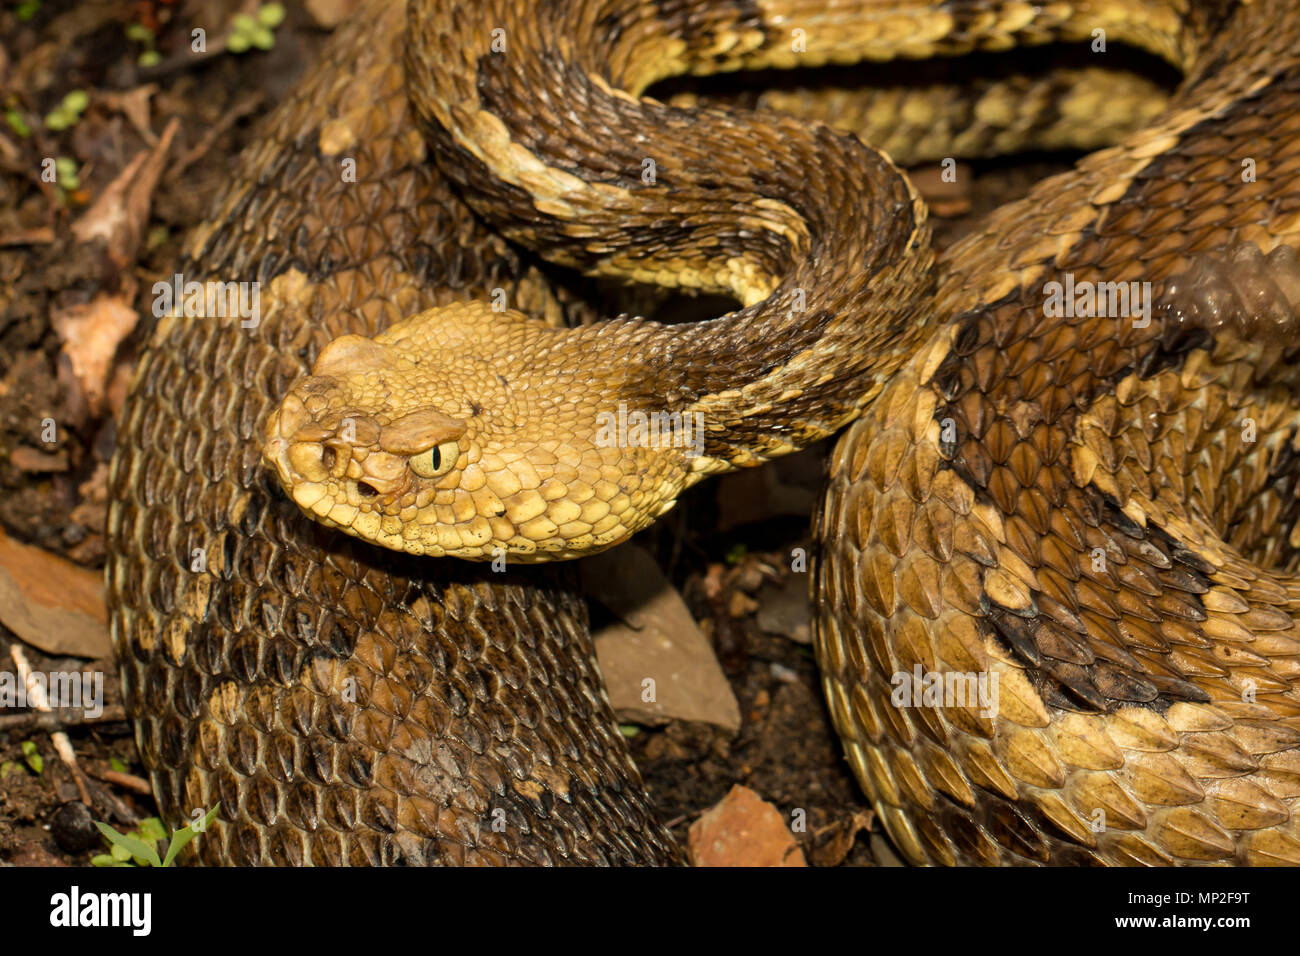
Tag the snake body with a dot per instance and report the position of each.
(342, 705)
(1062, 504)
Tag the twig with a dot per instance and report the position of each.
(128, 780)
(39, 701)
(62, 717)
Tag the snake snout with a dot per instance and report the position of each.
(308, 450)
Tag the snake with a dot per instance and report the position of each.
(1068, 474)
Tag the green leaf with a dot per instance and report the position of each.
(139, 33)
(76, 101)
(7, 768)
(66, 168)
(184, 835)
(262, 38)
(238, 43)
(270, 15)
(117, 765)
(149, 58)
(33, 757)
(27, 9)
(106, 859)
(151, 828)
(137, 848)
(58, 120)
(243, 23)
(17, 123)
(629, 730)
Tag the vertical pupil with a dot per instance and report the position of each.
(437, 459)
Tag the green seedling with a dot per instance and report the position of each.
(141, 847)
(255, 31)
(27, 9)
(66, 169)
(141, 34)
(32, 757)
(68, 111)
(15, 121)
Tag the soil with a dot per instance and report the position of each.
(726, 556)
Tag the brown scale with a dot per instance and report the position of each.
(1112, 555)
(474, 692)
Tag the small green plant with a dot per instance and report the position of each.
(141, 847)
(141, 34)
(32, 757)
(16, 123)
(68, 111)
(27, 9)
(156, 237)
(66, 168)
(256, 31)
(736, 553)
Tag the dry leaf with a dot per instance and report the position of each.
(654, 639)
(743, 830)
(51, 603)
(134, 105)
(121, 213)
(91, 332)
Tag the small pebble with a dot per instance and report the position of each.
(73, 828)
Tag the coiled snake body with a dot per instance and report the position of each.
(1088, 508)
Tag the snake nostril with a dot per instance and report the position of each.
(366, 490)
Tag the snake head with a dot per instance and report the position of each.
(342, 455)
(442, 437)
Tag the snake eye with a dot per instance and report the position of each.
(437, 461)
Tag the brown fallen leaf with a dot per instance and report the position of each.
(120, 214)
(835, 842)
(946, 198)
(134, 105)
(743, 830)
(51, 603)
(655, 638)
(91, 332)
